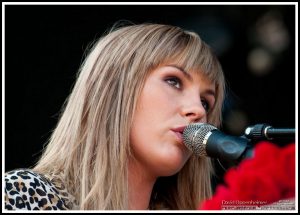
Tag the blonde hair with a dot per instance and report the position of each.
(90, 146)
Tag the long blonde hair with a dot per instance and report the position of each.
(90, 146)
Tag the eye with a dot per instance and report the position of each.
(174, 81)
(205, 105)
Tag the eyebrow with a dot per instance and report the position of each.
(210, 92)
(187, 75)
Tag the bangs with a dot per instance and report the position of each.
(197, 56)
(189, 52)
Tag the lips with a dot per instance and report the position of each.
(179, 132)
(179, 129)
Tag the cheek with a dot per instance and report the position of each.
(151, 111)
(151, 141)
(155, 101)
(155, 105)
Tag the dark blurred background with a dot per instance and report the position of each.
(45, 44)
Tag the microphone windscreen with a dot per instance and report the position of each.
(194, 137)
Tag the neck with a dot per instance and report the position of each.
(140, 185)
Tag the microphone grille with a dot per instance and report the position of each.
(194, 136)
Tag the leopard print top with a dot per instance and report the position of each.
(28, 190)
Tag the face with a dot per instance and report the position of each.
(170, 100)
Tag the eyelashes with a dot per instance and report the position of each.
(177, 84)
(174, 82)
(205, 105)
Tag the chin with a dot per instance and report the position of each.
(170, 170)
(172, 163)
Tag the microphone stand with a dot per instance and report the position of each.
(266, 132)
(245, 148)
(253, 134)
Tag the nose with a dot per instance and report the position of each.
(194, 111)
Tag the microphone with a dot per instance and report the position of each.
(206, 140)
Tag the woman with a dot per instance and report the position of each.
(118, 143)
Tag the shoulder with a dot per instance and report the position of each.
(28, 190)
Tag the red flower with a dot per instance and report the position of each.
(262, 180)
